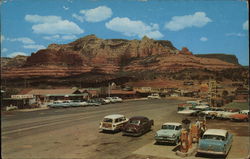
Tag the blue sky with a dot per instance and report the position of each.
(204, 26)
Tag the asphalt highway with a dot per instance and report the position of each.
(72, 133)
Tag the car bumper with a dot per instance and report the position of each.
(131, 133)
(167, 140)
(211, 152)
(107, 129)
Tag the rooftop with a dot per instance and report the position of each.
(172, 123)
(114, 116)
(219, 132)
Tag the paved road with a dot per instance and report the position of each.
(73, 132)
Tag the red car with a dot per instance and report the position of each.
(242, 116)
(137, 126)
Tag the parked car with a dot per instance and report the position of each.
(227, 113)
(114, 99)
(188, 111)
(154, 96)
(211, 112)
(241, 116)
(169, 133)
(78, 103)
(59, 104)
(137, 126)
(11, 107)
(93, 102)
(215, 141)
(100, 100)
(113, 122)
(104, 100)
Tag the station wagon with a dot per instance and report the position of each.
(113, 122)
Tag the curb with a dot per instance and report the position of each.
(30, 110)
(189, 153)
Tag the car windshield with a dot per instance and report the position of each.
(108, 120)
(213, 137)
(135, 122)
(171, 127)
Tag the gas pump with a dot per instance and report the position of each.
(186, 139)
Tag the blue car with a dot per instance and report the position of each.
(215, 141)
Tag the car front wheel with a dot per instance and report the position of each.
(176, 141)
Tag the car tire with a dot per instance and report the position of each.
(176, 142)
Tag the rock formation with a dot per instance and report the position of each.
(111, 58)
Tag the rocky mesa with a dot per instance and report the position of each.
(110, 58)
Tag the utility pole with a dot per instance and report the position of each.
(212, 90)
(109, 89)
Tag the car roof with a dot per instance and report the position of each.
(114, 116)
(138, 118)
(245, 111)
(220, 132)
(172, 123)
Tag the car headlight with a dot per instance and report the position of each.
(174, 135)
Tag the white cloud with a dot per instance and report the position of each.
(58, 37)
(23, 40)
(54, 37)
(97, 14)
(203, 39)
(134, 28)
(78, 17)
(235, 34)
(65, 8)
(4, 50)
(42, 19)
(37, 47)
(59, 27)
(52, 25)
(198, 19)
(69, 37)
(245, 25)
(2, 38)
(14, 54)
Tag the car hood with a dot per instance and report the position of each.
(169, 133)
(131, 126)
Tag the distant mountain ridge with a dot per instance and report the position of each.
(91, 60)
(223, 57)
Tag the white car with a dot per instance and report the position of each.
(11, 107)
(114, 122)
(211, 112)
(187, 112)
(227, 113)
(114, 99)
(154, 96)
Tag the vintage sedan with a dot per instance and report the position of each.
(227, 113)
(114, 99)
(241, 116)
(114, 122)
(169, 133)
(137, 126)
(154, 96)
(215, 141)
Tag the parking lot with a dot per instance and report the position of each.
(73, 132)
